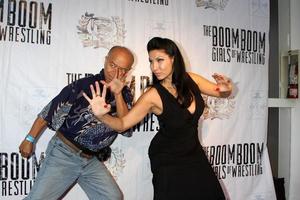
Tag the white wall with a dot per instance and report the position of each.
(289, 137)
(294, 191)
(295, 24)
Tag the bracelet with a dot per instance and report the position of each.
(30, 138)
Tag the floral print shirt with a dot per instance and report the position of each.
(69, 114)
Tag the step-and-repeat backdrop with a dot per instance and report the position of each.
(46, 44)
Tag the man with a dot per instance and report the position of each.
(80, 141)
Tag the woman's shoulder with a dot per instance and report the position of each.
(151, 90)
(150, 94)
(152, 97)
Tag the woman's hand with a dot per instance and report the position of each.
(224, 85)
(97, 102)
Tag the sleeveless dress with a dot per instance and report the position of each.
(180, 168)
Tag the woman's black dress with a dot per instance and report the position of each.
(180, 168)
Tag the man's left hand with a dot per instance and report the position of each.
(117, 83)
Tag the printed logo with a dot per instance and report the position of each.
(220, 108)
(101, 31)
(32, 102)
(159, 28)
(260, 7)
(26, 22)
(153, 2)
(17, 174)
(236, 160)
(214, 4)
(259, 197)
(258, 104)
(116, 162)
(239, 45)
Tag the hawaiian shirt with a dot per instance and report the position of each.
(69, 114)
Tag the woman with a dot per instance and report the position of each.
(178, 163)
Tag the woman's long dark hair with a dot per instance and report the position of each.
(180, 77)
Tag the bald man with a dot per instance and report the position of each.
(76, 152)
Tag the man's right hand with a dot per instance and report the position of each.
(26, 148)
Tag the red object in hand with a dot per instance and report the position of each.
(217, 89)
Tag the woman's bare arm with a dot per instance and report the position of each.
(222, 87)
(146, 103)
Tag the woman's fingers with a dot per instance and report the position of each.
(97, 88)
(96, 92)
(221, 79)
(93, 91)
(104, 91)
(86, 97)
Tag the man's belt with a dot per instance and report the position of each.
(73, 146)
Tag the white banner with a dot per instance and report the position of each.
(45, 45)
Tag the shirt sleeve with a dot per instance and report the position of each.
(58, 108)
